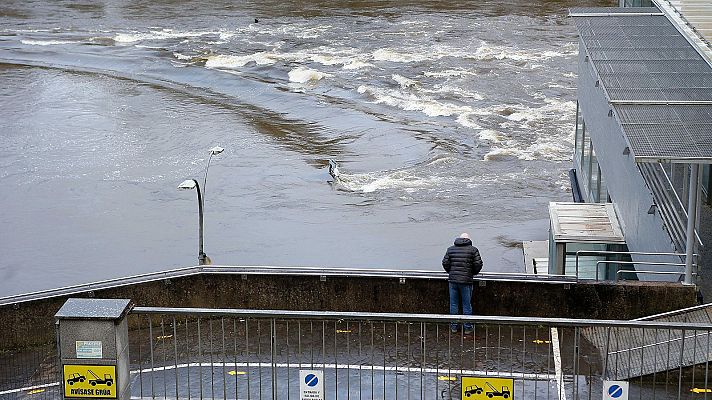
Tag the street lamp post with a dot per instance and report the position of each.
(193, 184)
(190, 184)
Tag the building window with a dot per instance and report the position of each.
(595, 177)
(593, 185)
(603, 196)
(579, 137)
(586, 166)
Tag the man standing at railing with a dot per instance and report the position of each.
(462, 262)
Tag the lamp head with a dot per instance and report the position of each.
(187, 184)
(216, 150)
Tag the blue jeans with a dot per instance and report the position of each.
(460, 294)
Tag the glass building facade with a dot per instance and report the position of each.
(591, 179)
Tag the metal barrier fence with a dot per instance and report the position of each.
(248, 354)
(29, 373)
(673, 268)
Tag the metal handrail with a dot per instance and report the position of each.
(622, 271)
(668, 209)
(675, 312)
(263, 270)
(598, 264)
(401, 317)
(636, 253)
(681, 204)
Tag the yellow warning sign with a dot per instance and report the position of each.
(95, 381)
(485, 387)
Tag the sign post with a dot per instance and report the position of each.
(92, 337)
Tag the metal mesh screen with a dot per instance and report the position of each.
(643, 59)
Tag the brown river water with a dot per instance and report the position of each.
(443, 117)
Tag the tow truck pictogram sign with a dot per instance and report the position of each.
(484, 387)
(90, 381)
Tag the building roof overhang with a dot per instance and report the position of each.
(657, 84)
(585, 223)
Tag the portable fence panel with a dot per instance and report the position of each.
(261, 358)
(178, 357)
(262, 354)
(29, 373)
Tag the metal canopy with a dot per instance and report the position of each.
(658, 85)
(585, 223)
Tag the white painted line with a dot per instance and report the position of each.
(353, 367)
(46, 385)
(557, 364)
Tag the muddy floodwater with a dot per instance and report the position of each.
(443, 117)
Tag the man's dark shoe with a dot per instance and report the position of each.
(453, 329)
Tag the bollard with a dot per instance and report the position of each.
(93, 347)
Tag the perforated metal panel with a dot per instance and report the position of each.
(647, 69)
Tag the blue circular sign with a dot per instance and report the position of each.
(311, 380)
(615, 391)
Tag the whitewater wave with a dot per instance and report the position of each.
(467, 120)
(396, 56)
(227, 61)
(449, 73)
(46, 42)
(484, 52)
(412, 102)
(487, 52)
(491, 136)
(304, 75)
(403, 81)
(377, 181)
(133, 37)
(449, 89)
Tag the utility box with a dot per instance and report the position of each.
(93, 345)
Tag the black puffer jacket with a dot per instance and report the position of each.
(462, 261)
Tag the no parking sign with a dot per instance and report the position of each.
(311, 384)
(615, 390)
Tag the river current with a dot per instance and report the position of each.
(443, 117)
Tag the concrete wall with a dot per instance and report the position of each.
(31, 323)
(630, 195)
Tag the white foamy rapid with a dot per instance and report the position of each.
(487, 52)
(397, 56)
(227, 61)
(376, 181)
(133, 37)
(46, 42)
(304, 75)
(412, 102)
(449, 73)
(403, 81)
(538, 133)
